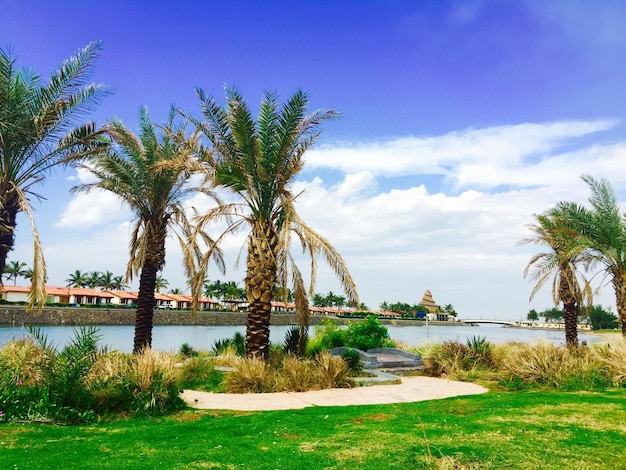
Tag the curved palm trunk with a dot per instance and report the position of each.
(260, 289)
(145, 308)
(8, 221)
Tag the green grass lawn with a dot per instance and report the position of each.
(525, 430)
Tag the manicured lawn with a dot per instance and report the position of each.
(526, 430)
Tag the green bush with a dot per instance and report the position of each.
(238, 341)
(353, 359)
(367, 334)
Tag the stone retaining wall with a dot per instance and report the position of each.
(17, 316)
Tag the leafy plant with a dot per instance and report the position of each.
(238, 341)
(367, 334)
(352, 358)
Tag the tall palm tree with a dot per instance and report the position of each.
(76, 279)
(604, 228)
(41, 127)
(15, 269)
(567, 249)
(151, 174)
(258, 161)
(107, 280)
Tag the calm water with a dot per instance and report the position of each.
(202, 337)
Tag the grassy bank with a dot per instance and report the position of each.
(529, 430)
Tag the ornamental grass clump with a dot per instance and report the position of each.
(333, 371)
(546, 365)
(297, 376)
(250, 375)
(613, 358)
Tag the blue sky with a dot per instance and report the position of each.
(460, 120)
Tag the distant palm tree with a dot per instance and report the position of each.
(76, 279)
(14, 270)
(176, 290)
(107, 280)
(118, 283)
(554, 230)
(151, 174)
(258, 161)
(161, 283)
(40, 128)
(93, 279)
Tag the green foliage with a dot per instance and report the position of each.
(328, 335)
(367, 334)
(532, 315)
(353, 360)
(292, 337)
(238, 341)
(600, 319)
(186, 350)
(198, 373)
(80, 383)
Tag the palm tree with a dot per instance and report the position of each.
(118, 283)
(76, 279)
(161, 283)
(176, 290)
(258, 161)
(604, 228)
(14, 270)
(93, 279)
(554, 230)
(107, 280)
(40, 128)
(150, 173)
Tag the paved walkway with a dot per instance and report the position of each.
(410, 390)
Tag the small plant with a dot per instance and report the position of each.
(187, 351)
(352, 359)
(292, 340)
(250, 375)
(238, 341)
(297, 376)
(333, 371)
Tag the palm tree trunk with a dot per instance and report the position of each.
(620, 299)
(260, 290)
(568, 295)
(570, 316)
(145, 308)
(8, 221)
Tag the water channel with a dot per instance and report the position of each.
(170, 338)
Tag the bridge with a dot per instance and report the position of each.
(496, 322)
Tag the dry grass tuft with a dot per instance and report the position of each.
(24, 358)
(250, 375)
(613, 358)
(333, 371)
(297, 376)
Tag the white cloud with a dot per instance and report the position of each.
(96, 208)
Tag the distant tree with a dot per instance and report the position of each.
(28, 274)
(76, 279)
(532, 315)
(176, 290)
(422, 309)
(161, 283)
(449, 309)
(552, 315)
(107, 280)
(600, 319)
(13, 270)
(118, 283)
(93, 279)
(384, 305)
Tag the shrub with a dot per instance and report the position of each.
(333, 371)
(250, 375)
(292, 338)
(367, 334)
(297, 376)
(613, 359)
(328, 335)
(186, 350)
(352, 359)
(238, 341)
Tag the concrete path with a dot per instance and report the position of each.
(410, 390)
